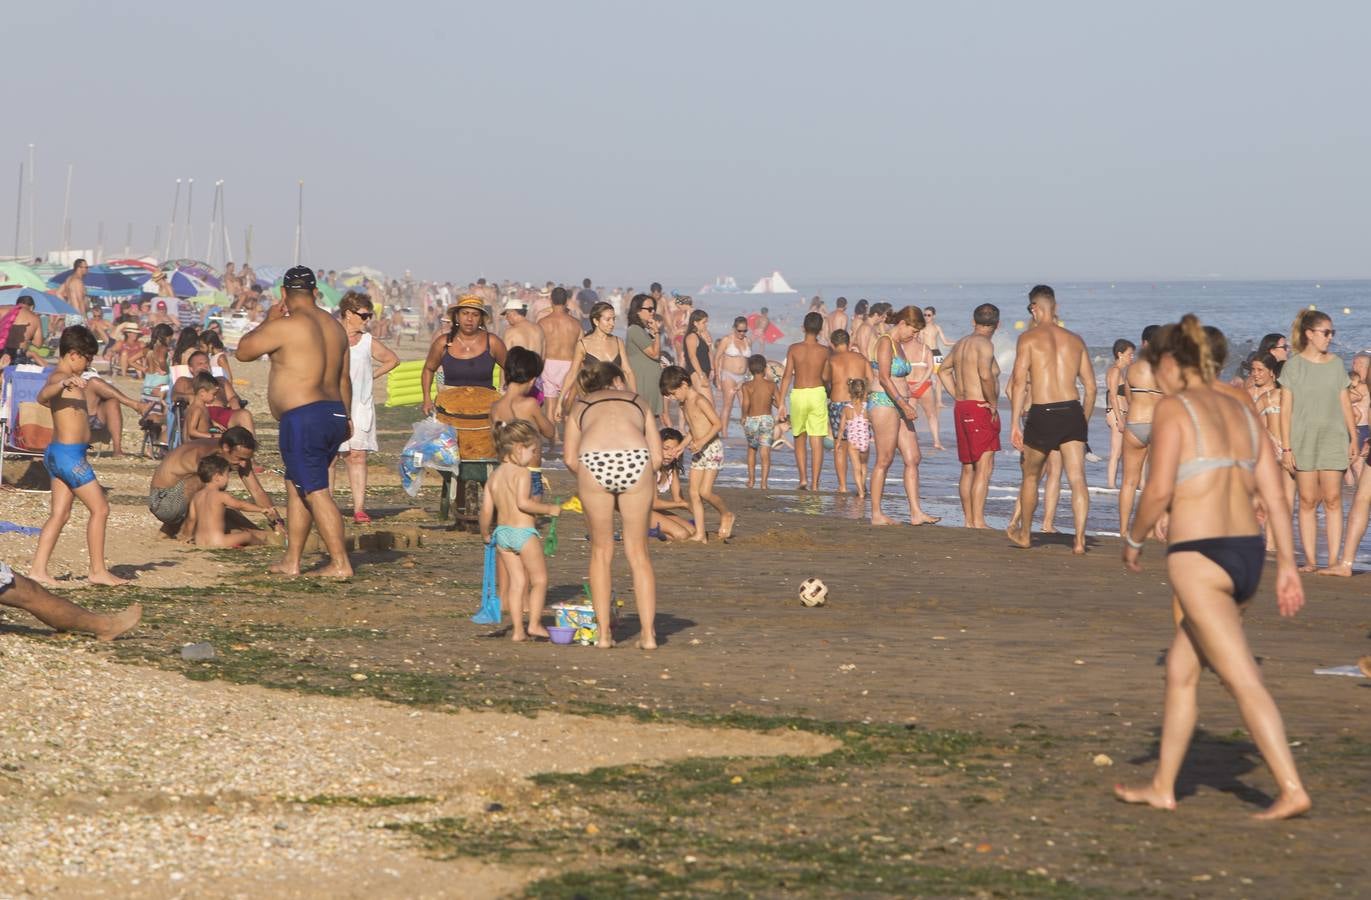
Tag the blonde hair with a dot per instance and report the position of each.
(1189, 344)
(511, 435)
(857, 388)
(1306, 320)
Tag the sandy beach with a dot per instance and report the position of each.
(954, 718)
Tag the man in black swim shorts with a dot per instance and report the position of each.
(1049, 365)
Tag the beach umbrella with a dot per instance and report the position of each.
(210, 297)
(18, 273)
(182, 285)
(44, 304)
(102, 281)
(195, 269)
(145, 265)
(266, 276)
(355, 275)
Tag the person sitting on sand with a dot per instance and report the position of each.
(663, 524)
(706, 449)
(522, 368)
(507, 520)
(613, 449)
(1210, 462)
(63, 615)
(206, 519)
(175, 482)
(760, 398)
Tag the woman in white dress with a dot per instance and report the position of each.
(368, 359)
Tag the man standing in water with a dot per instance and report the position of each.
(1051, 360)
(807, 367)
(309, 392)
(971, 375)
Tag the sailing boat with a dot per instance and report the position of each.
(772, 284)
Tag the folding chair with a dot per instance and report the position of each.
(25, 427)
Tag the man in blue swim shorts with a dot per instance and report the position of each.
(309, 392)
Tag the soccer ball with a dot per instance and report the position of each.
(813, 592)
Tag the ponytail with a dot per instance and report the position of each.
(1307, 319)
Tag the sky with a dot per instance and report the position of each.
(637, 141)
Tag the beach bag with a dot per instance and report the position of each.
(467, 409)
(433, 445)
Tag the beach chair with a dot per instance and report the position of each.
(25, 426)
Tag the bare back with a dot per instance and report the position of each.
(1056, 359)
(1140, 386)
(560, 334)
(525, 334)
(806, 361)
(968, 362)
(845, 365)
(308, 350)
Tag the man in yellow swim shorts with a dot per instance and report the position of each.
(807, 370)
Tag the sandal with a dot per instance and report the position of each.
(361, 518)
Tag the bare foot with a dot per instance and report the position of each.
(519, 637)
(1365, 665)
(926, 519)
(726, 525)
(106, 578)
(1049, 528)
(1342, 569)
(979, 527)
(699, 539)
(120, 622)
(281, 568)
(1288, 805)
(604, 644)
(939, 447)
(1307, 568)
(43, 578)
(1078, 548)
(537, 631)
(1147, 794)
(881, 519)
(1017, 538)
(333, 570)
(647, 642)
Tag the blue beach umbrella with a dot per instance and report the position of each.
(44, 304)
(103, 282)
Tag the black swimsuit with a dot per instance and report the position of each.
(701, 362)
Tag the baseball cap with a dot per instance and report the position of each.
(299, 278)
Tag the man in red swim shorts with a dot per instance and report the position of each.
(970, 374)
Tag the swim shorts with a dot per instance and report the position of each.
(760, 431)
(711, 456)
(1049, 425)
(67, 463)
(554, 374)
(309, 440)
(220, 416)
(978, 430)
(1363, 435)
(169, 505)
(835, 417)
(809, 411)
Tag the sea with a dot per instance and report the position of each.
(1101, 312)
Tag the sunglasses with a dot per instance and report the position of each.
(648, 308)
(740, 331)
(1326, 332)
(362, 315)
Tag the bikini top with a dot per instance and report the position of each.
(1138, 390)
(1200, 463)
(899, 366)
(589, 403)
(479, 371)
(617, 360)
(732, 349)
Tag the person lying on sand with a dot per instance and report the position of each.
(63, 615)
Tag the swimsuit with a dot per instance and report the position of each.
(616, 470)
(1243, 556)
(169, 504)
(978, 430)
(1049, 425)
(309, 439)
(554, 374)
(617, 360)
(701, 362)
(67, 463)
(760, 430)
(511, 537)
(219, 415)
(711, 455)
(809, 411)
(835, 417)
(858, 432)
(899, 368)
(1142, 431)
(479, 371)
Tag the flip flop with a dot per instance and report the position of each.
(361, 518)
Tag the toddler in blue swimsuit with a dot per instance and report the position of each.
(508, 509)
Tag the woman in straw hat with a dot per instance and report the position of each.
(468, 354)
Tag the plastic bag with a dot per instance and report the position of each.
(432, 446)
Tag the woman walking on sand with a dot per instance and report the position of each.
(1318, 431)
(892, 415)
(356, 312)
(1210, 460)
(644, 344)
(600, 345)
(730, 364)
(613, 448)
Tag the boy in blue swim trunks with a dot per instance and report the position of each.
(509, 506)
(65, 458)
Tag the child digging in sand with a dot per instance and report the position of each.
(509, 506)
(65, 458)
(760, 398)
(707, 450)
(208, 506)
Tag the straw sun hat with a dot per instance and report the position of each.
(471, 301)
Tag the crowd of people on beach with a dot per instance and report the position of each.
(640, 415)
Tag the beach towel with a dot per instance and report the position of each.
(11, 527)
(7, 322)
(489, 613)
